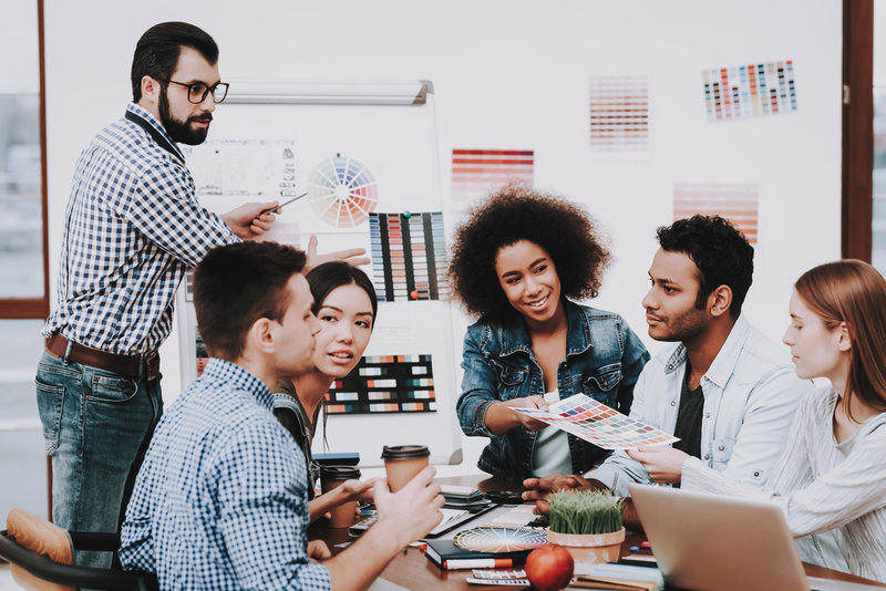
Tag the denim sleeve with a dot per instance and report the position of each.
(477, 387)
(620, 469)
(633, 360)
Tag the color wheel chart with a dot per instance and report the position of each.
(599, 424)
(500, 539)
(739, 203)
(619, 113)
(749, 91)
(385, 384)
(342, 191)
(408, 256)
(477, 172)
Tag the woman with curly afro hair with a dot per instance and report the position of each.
(517, 263)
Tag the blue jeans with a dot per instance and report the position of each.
(97, 425)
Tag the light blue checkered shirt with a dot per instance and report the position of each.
(132, 227)
(221, 499)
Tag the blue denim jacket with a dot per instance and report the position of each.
(603, 360)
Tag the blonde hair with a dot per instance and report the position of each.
(853, 292)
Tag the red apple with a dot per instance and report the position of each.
(549, 568)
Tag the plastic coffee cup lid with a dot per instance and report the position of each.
(404, 452)
(339, 472)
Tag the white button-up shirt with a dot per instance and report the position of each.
(750, 395)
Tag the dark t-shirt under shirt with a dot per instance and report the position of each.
(688, 427)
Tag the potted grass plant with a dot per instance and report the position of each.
(588, 524)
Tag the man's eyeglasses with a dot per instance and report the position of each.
(198, 90)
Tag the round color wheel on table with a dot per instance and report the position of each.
(499, 539)
(342, 191)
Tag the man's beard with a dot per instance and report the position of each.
(180, 132)
(685, 327)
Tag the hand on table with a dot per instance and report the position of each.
(664, 463)
(540, 488)
(411, 512)
(318, 551)
(352, 256)
(248, 222)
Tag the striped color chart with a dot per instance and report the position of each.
(750, 90)
(476, 172)
(619, 113)
(736, 202)
(408, 256)
(383, 384)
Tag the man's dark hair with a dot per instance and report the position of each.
(156, 53)
(721, 253)
(237, 284)
(322, 279)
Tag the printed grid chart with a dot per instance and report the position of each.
(599, 424)
(408, 256)
(619, 113)
(478, 172)
(749, 90)
(739, 203)
(384, 384)
(342, 191)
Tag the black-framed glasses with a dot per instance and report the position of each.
(197, 91)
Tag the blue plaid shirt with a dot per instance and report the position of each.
(221, 499)
(132, 228)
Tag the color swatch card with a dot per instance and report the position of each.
(478, 172)
(408, 256)
(599, 424)
(384, 384)
(619, 113)
(736, 202)
(749, 90)
(342, 191)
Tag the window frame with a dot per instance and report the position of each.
(36, 307)
(858, 130)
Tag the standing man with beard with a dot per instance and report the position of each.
(133, 226)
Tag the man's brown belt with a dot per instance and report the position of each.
(127, 365)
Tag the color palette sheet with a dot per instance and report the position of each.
(739, 203)
(619, 113)
(408, 256)
(342, 191)
(599, 424)
(478, 172)
(749, 90)
(385, 384)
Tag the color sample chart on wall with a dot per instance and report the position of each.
(408, 256)
(385, 384)
(619, 113)
(739, 203)
(599, 424)
(477, 172)
(749, 90)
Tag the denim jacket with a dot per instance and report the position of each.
(603, 360)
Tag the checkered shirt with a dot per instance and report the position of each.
(221, 499)
(132, 228)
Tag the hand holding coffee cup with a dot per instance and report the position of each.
(413, 511)
(346, 479)
(403, 462)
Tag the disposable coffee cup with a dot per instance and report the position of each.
(331, 477)
(403, 462)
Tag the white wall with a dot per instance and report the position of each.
(515, 73)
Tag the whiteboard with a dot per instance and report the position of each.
(248, 153)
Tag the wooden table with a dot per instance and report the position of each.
(412, 570)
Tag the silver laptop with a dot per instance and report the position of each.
(702, 541)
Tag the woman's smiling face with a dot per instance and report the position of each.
(529, 279)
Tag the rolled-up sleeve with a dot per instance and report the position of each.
(477, 387)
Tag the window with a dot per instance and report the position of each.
(24, 301)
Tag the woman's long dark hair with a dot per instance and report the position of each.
(324, 278)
